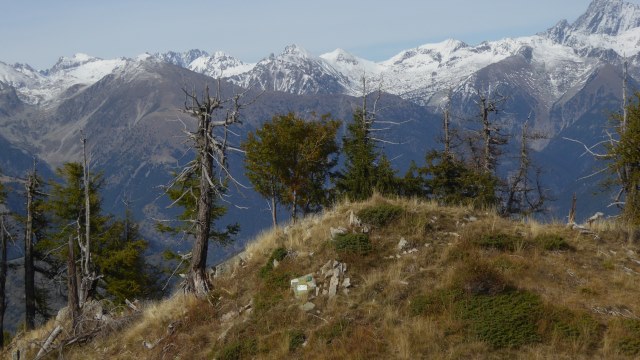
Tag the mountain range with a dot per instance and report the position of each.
(564, 81)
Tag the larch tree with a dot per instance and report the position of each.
(288, 161)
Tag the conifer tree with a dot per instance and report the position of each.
(625, 160)
(117, 250)
(288, 160)
(358, 179)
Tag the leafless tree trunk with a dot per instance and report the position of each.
(88, 279)
(445, 127)
(274, 214)
(211, 156)
(572, 211)
(72, 285)
(3, 276)
(29, 273)
(491, 137)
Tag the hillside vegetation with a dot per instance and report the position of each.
(412, 280)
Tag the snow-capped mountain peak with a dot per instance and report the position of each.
(220, 64)
(65, 63)
(608, 17)
(297, 51)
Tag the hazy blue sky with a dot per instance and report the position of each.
(37, 32)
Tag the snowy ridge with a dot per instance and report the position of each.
(560, 58)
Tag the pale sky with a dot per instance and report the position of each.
(38, 32)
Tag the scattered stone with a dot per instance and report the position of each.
(333, 285)
(472, 219)
(308, 306)
(275, 263)
(414, 250)
(346, 283)
(365, 229)
(402, 282)
(335, 232)
(402, 244)
(229, 316)
(353, 220)
(398, 256)
(325, 268)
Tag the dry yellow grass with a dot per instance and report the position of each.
(401, 305)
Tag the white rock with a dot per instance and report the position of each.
(308, 306)
(275, 263)
(346, 283)
(229, 316)
(335, 232)
(333, 286)
(353, 219)
(402, 244)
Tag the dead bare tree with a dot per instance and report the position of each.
(524, 194)
(3, 274)
(72, 285)
(210, 142)
(29, 272)
(88, 275)
(490, 132)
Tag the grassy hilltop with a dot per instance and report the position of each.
(411, 280)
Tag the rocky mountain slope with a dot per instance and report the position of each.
(388, 279)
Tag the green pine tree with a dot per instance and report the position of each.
(288, 160)
(358, 180)
(625, 164)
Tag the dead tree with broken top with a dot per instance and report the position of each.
(492, 138)
(203, 181)
(525, 194)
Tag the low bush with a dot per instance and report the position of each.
(433, 303)
(502, 242)
(626, 336)
(577, 328)
(278, 254)
(552, 242)
(506, 320)
(296, 339)
(352, 243)
(479, 278)
(240, 349)
(380, 215)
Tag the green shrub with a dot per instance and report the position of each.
(506, 320)
(627, 340)
(380, 215)
(278, 254)
(296, 339)
(433, 303)
(552, 242)
(502, 242)
(333, 330)
(575, 327)
(239, 349)
(479, 278)
(353, 243)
